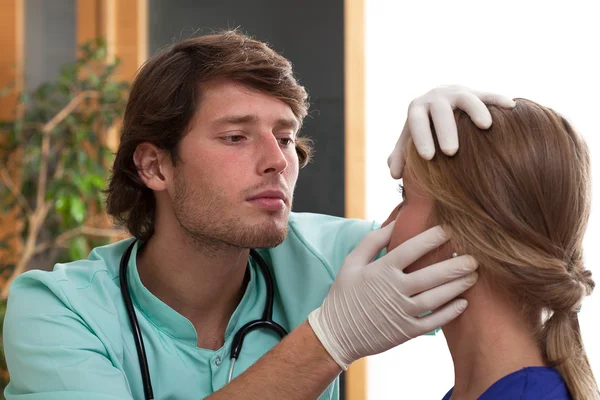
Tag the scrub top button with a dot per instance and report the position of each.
(218, 361)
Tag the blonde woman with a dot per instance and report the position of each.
(516, 197)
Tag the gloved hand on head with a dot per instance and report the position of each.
(438, 105)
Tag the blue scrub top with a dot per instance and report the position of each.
(532, 383)
(67, 335)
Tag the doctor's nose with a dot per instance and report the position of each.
(272, 157)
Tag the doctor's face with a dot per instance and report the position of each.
(238, 169)
(414, 215)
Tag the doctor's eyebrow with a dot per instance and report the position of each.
(237, 119)
(287, 123)
(252, 118)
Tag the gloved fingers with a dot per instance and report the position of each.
(396, 160)
(420, 130)
(439, 274)
(434, 298)
(373, 242)
(415, 248)
(445, 126)
(495, 99)
(441, 317)
(475, 108)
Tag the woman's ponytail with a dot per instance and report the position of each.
(563, 345)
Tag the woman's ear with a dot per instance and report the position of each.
(451, 249)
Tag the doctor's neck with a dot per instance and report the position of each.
(490, 340)
(204, 282)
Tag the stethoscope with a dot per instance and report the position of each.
(238, 340)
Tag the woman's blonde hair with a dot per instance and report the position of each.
(517, 198)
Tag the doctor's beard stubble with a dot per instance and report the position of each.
(219, 222)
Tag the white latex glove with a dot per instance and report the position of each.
(438, 104)
(374, 306)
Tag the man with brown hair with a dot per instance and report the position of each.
(205, 172)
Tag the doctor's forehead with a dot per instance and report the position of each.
(229, 102)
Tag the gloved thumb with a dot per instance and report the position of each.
(366, 250)
(396, 160)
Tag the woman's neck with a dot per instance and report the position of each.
(490, 340)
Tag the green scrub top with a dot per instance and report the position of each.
(67, 335)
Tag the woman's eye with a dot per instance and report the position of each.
(401, 190)
(286, 141)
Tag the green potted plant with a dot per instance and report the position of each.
(54, 161)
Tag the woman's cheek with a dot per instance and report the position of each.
(392, 216)
(410, 222)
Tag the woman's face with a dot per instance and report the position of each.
(414, 215)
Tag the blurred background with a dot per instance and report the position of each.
(66, 66)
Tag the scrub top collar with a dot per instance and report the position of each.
(167, 319)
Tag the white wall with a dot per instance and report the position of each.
(543, 50)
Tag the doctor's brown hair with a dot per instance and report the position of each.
(517, 198)
(165, 96)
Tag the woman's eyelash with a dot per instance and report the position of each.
(401, 190)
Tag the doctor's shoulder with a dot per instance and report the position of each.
(329, 238)
(62, 327)
(90, 278)
(85, 292)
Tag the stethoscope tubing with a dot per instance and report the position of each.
(238, 340)
(135, 327)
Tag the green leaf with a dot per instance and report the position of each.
(43, 91)
(77, 209)
(100, 53)
(83, 184)
(81, 135)
(79, 248)
(61, 204)
(97, 181)
(6, 90)
(100, 200)
(81, 158)
(24, 97)
(68, 74)
(94, 81)
(86, 47)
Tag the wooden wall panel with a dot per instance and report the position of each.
(123, 24)
(354, 104)
(11, 72)
(131, 45)
(11, 45)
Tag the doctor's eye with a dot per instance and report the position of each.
(286, 141)
(233, 138)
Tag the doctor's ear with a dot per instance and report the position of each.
(153, 166)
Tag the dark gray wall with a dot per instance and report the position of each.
(310, 33)
(49, 39)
